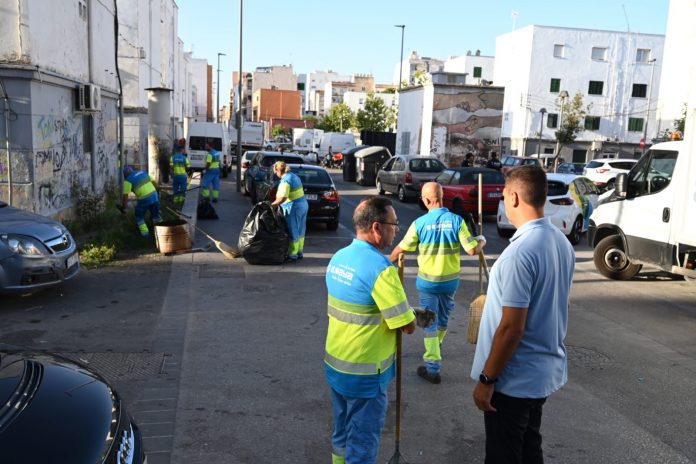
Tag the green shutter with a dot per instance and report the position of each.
(477, 71)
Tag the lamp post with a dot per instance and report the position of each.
(401, 60)
(541, 128)
(647, 113)
(217, 103)
(238, 119)
(563, 96)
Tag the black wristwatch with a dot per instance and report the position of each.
(483, 378)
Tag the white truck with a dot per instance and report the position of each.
(336, 141)
(252, 135)
(306, 140)
(200, 133)
(650, 217)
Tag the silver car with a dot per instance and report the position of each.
(35, 252)
(404, 175)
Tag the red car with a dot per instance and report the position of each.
(460, 189)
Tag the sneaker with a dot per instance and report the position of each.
(432, 378)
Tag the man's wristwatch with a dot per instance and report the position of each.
(484, 379)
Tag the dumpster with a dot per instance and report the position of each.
(368, 161)
(349, 163)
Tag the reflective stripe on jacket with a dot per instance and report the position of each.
(179, 163)
(140, 184)
(290, 187)
(366, 303)
(213, 159)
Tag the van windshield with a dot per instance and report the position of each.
(198, 143)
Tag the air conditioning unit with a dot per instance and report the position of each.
(88, 98)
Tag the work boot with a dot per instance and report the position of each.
(432, 378)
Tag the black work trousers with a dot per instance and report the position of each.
(512, 433)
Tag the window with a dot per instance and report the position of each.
(552, 120)
(596, 88)
(399, 165)
(599, 53)
(445, 177)
(652, 173)
(640, 90)
(592, 123)
(555, 85)
(559, 50)
(388, 165)
(643, 55)
(425, 165)
(300, 86)
(556, 188)
(477, 71)
(635, 124)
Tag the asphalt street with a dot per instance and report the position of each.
(220, 361)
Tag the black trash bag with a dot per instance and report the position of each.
(264, 239)
(205, 210)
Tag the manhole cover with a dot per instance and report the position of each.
(122, 366)
(587, 357)
(220, 272)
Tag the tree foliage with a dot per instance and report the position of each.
(573, 114)
(278, 131)
(339, 119)
(421, 77)
(377, 115)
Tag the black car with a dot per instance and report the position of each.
(319, 189)
(261, 164)
(53, 409)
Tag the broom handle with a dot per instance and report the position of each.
(183, 216)
(480, 224)
(397, 435)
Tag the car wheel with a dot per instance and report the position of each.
(380, 190)
(575, 232)
(505, 233)
(401, 194)
(611, 261)
(332, 225)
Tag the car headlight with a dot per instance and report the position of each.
(23, 245)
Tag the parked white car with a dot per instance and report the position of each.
(569, 203)
(603, 171)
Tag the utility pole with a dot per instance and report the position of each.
(563, 96)
(541, 128)
(647, 113)
(238, 119)
(217, 104)
(401, 61)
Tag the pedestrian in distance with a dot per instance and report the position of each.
(180, 165)
(366, 306)
(520, 356)
(494, 162)
(140, 183)
(211, 177)
(468, 161)
(437, 235)
(290, 196)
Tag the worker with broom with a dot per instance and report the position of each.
(140, 183)
(438, 234)
(367, 305)
(520, 356)
(292, 201)
(180, 165)
(211, 176)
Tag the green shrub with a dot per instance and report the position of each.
(97, 255)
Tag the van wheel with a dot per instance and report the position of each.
(380, 190)
(401, 194)
(576, 232)
(611, 261)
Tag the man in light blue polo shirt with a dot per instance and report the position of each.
(520, 357)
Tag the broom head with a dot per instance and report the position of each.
(475, 313)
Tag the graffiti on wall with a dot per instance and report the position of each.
(466, 120)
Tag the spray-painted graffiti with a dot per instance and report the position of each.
(50, 197)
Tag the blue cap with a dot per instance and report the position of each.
(127, 171)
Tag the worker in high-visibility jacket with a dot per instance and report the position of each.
(211, 175)
(438, 234)
(140, 183)
(291, 198)
(180, 164)
(366, 306)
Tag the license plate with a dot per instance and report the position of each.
(311, 196)
(71, 261)
(196, 157)
(495, 195)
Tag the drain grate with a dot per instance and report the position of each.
(122, 366)
(587, 357)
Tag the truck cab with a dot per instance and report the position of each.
(650, 217)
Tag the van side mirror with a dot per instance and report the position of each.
(620, 185)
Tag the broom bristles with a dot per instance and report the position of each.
(475, 312)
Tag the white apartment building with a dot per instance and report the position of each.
(413, 64)
(618, 73)
(314, 89)
(199, 88)
(356, 100)
(335, 90)
(479, 69)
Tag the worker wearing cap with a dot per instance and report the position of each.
(180, 164)
(140, 183)
(366, 306)
(438, 234)
(212, 174)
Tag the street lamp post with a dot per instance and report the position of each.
(217, 104)
(563, 96)
(541, 128)
(647, 113)
(238, 119)
(401, 61)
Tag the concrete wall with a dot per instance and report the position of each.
(414, 103)
(467, 63)
(270, 104)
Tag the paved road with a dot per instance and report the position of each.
(220, 361)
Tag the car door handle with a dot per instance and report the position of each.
(665, 215)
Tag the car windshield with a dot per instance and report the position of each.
(198, 143)
(269, 161)
(557, 188)
(471, 178)
(425, 165)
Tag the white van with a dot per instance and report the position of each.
(650, 217)
(200, 133)
(337, 141)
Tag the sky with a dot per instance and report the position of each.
(359, 37)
